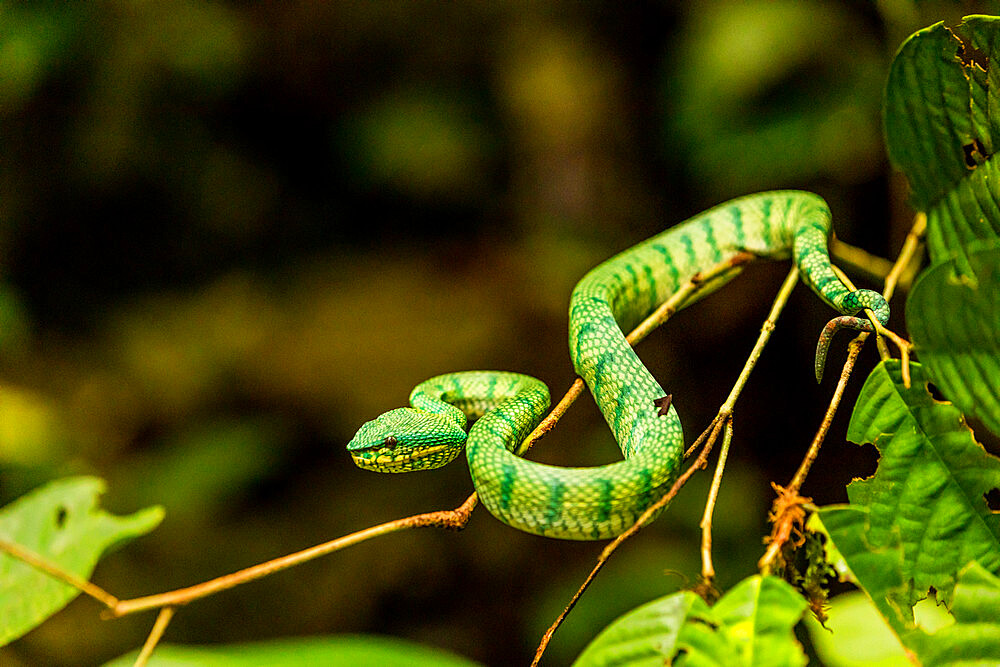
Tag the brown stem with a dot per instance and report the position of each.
(155, 635)
(53, 570)
(707, 568)
(455, 519)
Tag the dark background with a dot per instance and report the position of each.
(230, 234)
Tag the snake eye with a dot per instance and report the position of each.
(390, 442)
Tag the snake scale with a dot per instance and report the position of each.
(601, 502)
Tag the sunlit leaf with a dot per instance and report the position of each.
(751, 625)
(974, 638)
(62, 523)
(346, 651)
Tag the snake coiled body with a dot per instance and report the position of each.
(601, 502)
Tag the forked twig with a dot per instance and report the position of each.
(785, 515)
(656, 319)
(155, 635)
(708, 437)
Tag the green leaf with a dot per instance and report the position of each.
(62, 523)
(347, 650)
(930, 483)
(941, 125)
(649, 634)
(750, 626)
(876, 567)
(974, 638)
(856, 635)
(954, 318)
(759, 614)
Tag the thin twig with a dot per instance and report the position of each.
(53, 570)
(762, 339)
(872, 265)
(906, 255)
(644, 328)
(155, 635)
(455, 519)
(853, 350)
(707, 569)
(785, 514)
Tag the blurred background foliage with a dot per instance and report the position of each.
(231, 233)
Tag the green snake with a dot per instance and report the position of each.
(603, 501)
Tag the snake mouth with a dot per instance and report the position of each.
(381, 459)
(371, 460)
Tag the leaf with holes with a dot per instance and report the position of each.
(929, 490)
(954, 320)
(875, 567)
(974, 638)
(942, 125)
(751, 626)
(62, 523)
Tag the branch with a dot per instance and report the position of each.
(786, 515)
(708, 436)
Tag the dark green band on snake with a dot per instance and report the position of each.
(601, 502)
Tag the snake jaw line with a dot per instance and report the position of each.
(381, 459)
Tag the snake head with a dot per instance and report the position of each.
(406, 439)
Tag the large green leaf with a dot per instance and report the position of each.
(62, 523)
(941, 121)
(954, 319)
(750, 626)
(930, 484)
(974, 637)
(348, 651)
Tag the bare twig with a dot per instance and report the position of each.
(53, 570)
(786, 515)
(155, 635)
(873, 266)
(651, 511)
(904, 262)
(455, 519)
(655, 319)
(707, 569)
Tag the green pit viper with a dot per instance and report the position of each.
(602, 502)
